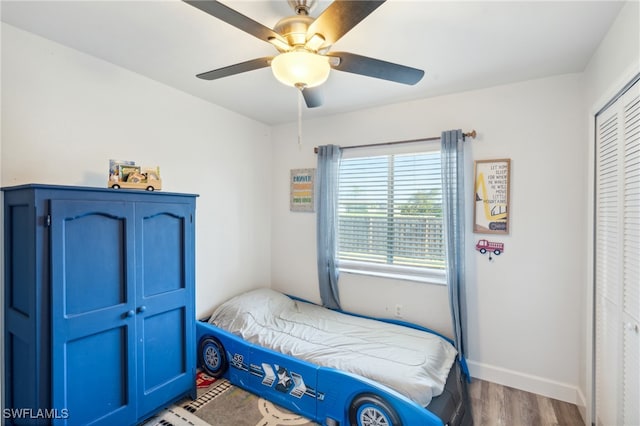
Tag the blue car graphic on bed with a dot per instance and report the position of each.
(328, 396)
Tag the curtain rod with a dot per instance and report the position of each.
(472, 134)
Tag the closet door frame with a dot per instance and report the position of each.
(616, 333)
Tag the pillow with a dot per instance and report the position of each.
(260, 304)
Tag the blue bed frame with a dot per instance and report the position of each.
(328, 396)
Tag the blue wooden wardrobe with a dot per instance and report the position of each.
(99, 303)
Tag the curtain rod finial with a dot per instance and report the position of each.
(472, 134)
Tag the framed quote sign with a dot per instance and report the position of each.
(301, 197)
(491, 196)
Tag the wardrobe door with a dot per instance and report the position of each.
(93, 311)
(617, 262)
(165, 302)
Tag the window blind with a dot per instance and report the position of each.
(390, 210)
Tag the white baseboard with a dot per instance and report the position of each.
(526, 382)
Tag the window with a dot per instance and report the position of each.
(390, 216)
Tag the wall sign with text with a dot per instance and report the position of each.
(301, 194)
(491, 196)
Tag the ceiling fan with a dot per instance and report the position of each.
(304, 59)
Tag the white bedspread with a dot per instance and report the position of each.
(412, 362)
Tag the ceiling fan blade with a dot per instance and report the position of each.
(313, 96)
(363, 65)
(237, 19)
(251, 65)
(340, 17)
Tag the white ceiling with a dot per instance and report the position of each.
(460, 45)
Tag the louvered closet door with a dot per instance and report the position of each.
(631, 259)
(607, 261)
(617, 262)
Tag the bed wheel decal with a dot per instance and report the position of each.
(212, 356)
(372, 410)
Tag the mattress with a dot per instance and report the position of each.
(412, 362)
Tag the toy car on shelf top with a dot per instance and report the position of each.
(133, 177)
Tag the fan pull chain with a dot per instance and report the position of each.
(299, 119)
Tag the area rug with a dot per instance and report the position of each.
(223, 404)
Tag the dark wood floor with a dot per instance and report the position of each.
(496, 405)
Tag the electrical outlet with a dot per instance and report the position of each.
(398, 310)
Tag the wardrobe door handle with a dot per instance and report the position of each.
(141, 309)
(129, 314)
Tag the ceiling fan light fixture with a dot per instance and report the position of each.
(300, 68)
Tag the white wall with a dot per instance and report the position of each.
(531, 309)
(613, 65)
(65, 114)
(524, 317)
